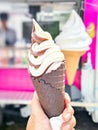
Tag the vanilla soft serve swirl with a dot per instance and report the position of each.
(73, 35)
(43, 53)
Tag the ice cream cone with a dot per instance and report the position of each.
(73, 41)
(47, 70)
(50, 90)
(72, 60)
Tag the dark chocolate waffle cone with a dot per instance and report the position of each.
(50, 90)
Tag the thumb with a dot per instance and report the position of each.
(67, 99)
(37, 110)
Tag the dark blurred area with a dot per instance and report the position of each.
(16, 122)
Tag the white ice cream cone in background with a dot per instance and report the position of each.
(72, 60)
(74, 41)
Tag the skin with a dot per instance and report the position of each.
(4, 24)
(39, 121)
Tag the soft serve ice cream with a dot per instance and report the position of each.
(43, 52)
(73, 41)
(47, 71)
(73, 35)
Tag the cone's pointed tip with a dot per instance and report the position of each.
(70, 79)
(70, 84)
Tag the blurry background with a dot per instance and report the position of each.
(16, 88)
(51, 17)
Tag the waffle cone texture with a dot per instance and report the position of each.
(50, 89)
(72, 60)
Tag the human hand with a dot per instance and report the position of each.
(39, 121)
(69, 120)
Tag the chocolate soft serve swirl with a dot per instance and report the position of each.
(43, 53)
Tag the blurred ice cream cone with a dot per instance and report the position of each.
(74, 41)
(72, 60)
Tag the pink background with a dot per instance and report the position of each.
(90, 16)
(15, 80)
(19, 79)
(77, 80)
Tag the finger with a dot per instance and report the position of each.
(73, 121)
(69, 125)
(35, 99)
(67, 100)
(30, 125)
(66, 117)
(36, 106)
(67, 113)
(35, 102)
(67, 97)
